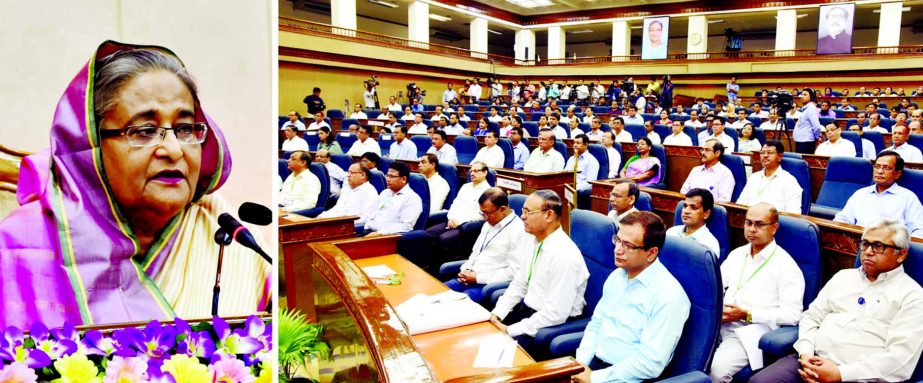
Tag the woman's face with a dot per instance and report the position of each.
(158, 179)
(654, 31)
(322, 135)
(664, 115)
(643, 148)
(746, 132)
(482, 124)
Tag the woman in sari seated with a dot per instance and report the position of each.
(328, 141)
(116, 221)
(643, 168)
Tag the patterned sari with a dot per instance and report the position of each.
(637, 166)
(69, 254)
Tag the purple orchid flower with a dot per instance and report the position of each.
(234, 343)
(153, 345)
(95, 343)
(197, 344)
(12, 350)
(256, 329)
(55, 348)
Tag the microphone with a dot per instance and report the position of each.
(241, 234)
(255, 213)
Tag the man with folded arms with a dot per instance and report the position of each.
(865, 323)
(885, 198)
(549, 287)
(712, 174)
(494, 256)
(358, 196)
(696, 210)
(398, 206)
(763, 285)
(640, 316)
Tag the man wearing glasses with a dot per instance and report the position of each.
(640, 316)
(549, 286)
(865, 324)
(772, 184)
(358, 196)
(448, 238)
(301, 188)
(622, 199)
(397, 207)
(712, 174)
(884, 199)
(835, 144)
(494, 255)
(544, 158)
(763, 287)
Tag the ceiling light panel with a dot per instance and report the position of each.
(531, 3)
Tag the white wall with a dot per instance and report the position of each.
(227, 47)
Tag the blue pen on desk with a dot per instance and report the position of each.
(499, 359)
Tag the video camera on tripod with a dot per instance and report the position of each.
(415, 92)
(371, 82)
(782, 101)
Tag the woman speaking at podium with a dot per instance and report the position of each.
(116, 220)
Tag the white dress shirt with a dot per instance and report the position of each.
(587, 169)
(417, 129)
(360, 201)
(359, 116)
(438, 191)
(297, 125)
(878, 129)
(395, 107)
(493, 157)
(636, 120)
(494, 257)
(654, 137)
(767, 125)
(395, 212)
(781, 190)
(465, 208)
(454, 130)
(404, 150)
(772, 293)
(725, 140)
(897, 203)
(717, 179)
(615, 159)
(617, 218)
(300, 191)
(551, 282)
(337, 177)
(678, 139)
(359, 148)
(559, 132)
(702, 236)
(694, 123)
(908, 152)
(878, 340)
(446, 154)
(295, 143)
(474, 91)
(868, 149)
(541, 162)
(596, 135)
(842, 148)
(623, 136)
(317, 125)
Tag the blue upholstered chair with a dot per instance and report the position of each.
(855, 139)
(384, 143)
(283, 169)
(916, 140)
(876, 138)
(644, 202)
(736, 165)
(794, 155)
(659, 152)
(696, 269)
(759, 135)
(466, 148)
(844, 176)
(507, 147)
(342, 160)
(312, 139)
(346, 140)
(799, 169)
(423, 143)
(371, 113)
(344, 125)
(516, 202)
(690, 131)
(663, 131)
(320, 171)
(717, 224)
(419, 185)
(531, 127)
(384, 163)
(335, 113)
(561, 148)
(599, 153)
(637, 131)
(450, 174)
(378, 180)
(912, 180)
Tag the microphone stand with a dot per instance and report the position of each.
(222, 238)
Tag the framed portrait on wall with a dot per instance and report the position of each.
(834, 30)
(655, 39)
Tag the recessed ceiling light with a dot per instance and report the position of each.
(800, 15)
(531, 3)
(637, 27)
(580, 31)
(384, 3)
(439, 17)
(715, 21)
(494, 32)
(904, 9)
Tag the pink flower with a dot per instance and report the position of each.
(231, 371)
(126, 370)
(17, 373)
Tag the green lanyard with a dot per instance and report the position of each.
(529, 278)
(763, 187)
(741, 282)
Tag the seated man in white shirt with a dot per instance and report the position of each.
(447, 239)
(393, 106)
(369, 160)
(494, 115)
(587, 168)
(358, 197)
(318, 122)
(402, 148)
(772, 184)
(397, 207)
(494, 257)
(885, 198)
(741, 120)
(633, 118)
(418, 127)
(712, 174)
(365, 143)
(520, 150)
(294, 120)
(763, 286)
(615, 156)
(437, 115)
(596, 132)
(618, 130)
(694, 120)
(757, 111)
(454, 128)
(835, 144)
(301, 188)
(899, 136)
(408, 114)
(444, 151)
(548, 288)
(292, 141)
(861, 121)
(391, 124)
(696, 209)
(545, 159)
(386, 115)
(574, 126)
(462, 116)
(357, 113)
(490, 154)
(717, 128)
(651, 134)
(677, 136)
(438, 187)
(555, 124)
(868, 148)
(773, 122)
(865, 323)
(874, 121)
(336, 173)
(622, 199)
(617, 349)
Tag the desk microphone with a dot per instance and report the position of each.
(241, 234)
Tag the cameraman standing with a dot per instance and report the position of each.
(314, 102)
(371, 94)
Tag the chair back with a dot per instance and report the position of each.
(912, 179)
(637, 131)
(346, 139)
(663, 131)
(801, 239)
(384, 163)
(855, 139)
(516, 203)
(916, 140)
(696, 269)
(423, 143)
(759, 135)
(450, 174)
(419, 185)
(378, 180)
(599, 153)
(384, 143)
(320, 171)
(658, 151)
(799, 169)
(644, 202)
(690, 131)
(344, 125)
(561, 148)
(876, 138)
(313, 140)
(531, 127)
(507, 147)
(466, 147)
(735, 164)
(335, 113)
(717, 224)
(593, 232)
(342, 160)
(844, 176)
(283, 169)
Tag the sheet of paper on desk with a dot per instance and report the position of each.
(378, 271)
(497, 354)
(423, 313)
